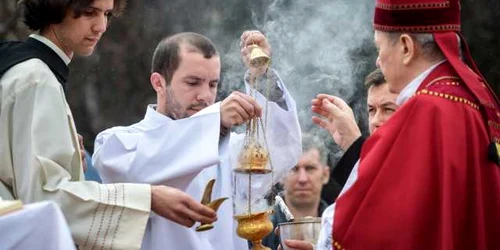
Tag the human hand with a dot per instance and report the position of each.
(337, 118)
(179, 207)
(238, 108)
(297, 245)
(82, 152)
(249, 38)
(294, 244)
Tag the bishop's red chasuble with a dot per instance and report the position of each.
(424, 180)
(429, 178)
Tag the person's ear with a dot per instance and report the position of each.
(408, 48)
(158, 82)
(326, 175)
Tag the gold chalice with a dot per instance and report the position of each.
(254, 227)
(206, 200)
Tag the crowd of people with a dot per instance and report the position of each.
(427, 176)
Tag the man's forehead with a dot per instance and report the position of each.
(379, 36)
(103, 5)
(186, 49)
(379, 87)
(381, 92)
(311, 151)
(310, 155)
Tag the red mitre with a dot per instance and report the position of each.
(442, 18)
(417, 15)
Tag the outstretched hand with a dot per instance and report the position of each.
(179, 207)
(337, 118)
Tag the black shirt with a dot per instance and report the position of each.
(340, 174)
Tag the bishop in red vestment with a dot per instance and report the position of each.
(430, 177)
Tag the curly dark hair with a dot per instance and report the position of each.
(38, 14)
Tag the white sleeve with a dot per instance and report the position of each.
(171, 154)
(325, 235)
(40, 160)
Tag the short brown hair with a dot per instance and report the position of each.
(166, 57)
(38, 14)
(375, 78)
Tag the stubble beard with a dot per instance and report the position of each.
(174, 108)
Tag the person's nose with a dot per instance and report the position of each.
(376, 121)
(303, 177)
(377, 62)
(100, 25)
(204, 94)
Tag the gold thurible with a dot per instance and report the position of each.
(254, 159)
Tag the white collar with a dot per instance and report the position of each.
(154, 116)
(412, 87)
(54, 47)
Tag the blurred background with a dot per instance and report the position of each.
(319, 46)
